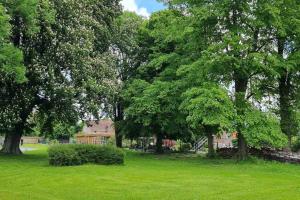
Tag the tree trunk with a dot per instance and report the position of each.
(12, 143)
(242, 148)
(241, 82)
(159, 143)
(285, 110)
(211, 149)
(285, 90)
(118, 118)
(119, 140)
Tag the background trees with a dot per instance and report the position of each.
(237, 38)
(218, 65)
(227, 43)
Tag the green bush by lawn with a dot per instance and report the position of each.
(78, 154)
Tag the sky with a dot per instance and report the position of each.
(142, 7)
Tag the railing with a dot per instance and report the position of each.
(199, 144)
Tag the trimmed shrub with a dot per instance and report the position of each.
(86, 152)
(108, 155)
(63, 155)
(77, 154)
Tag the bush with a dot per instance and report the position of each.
(185, 147)
(108, 155)
(63, 155)
(296, 146)
(77, 154)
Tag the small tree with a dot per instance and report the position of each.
(208, 107)
(156, 107)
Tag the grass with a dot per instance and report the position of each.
(146, 176)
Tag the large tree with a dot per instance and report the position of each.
(287, 41)
(12, 70)
(234, 42)
(66, 54)
(157, 107)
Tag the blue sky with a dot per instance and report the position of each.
(151, 5)
(142, 7)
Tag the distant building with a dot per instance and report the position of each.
(96, 132)
(224, 140)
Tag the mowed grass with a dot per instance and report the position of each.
(146, 176)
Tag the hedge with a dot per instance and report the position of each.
(78, 154)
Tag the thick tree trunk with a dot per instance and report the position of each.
(159, 143)
(211, 149)
(241, 82)
(285, 90)
(12, 143)
(119, 140)
(242, 148)
(286, 119)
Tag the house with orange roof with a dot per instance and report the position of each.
(96, 132)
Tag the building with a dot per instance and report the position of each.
(96, 132)
(225, 140)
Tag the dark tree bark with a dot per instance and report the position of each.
(241, 82)
(210, 130)
(285, 92)
(12, 141)
(13, 138)
(286, 119)
(211, 149)
(119, 116)
(159, 143)
(242, 147)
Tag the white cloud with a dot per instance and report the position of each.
(131, 5)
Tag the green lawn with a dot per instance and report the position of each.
(148, 177)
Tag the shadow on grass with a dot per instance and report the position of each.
(199, 159)
(34, 157)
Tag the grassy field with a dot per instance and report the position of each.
(148, 177)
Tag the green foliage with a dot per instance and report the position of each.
(63, 155)
(157, 108)
(67, 58)
(109, 155)
(185, 147)
(68, 155)
(262, 130)
(43, 125)
(296, 145)
(11, 67)
(208, 105)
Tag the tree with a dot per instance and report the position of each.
(210, 108)
(125, 47)
(12, 70)
(287, 34)
(22, 25)
(157, 109)
(235, 49)
(65, 48)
